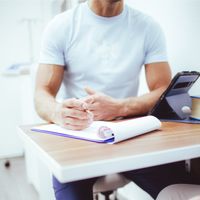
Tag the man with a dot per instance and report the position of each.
(97, 50)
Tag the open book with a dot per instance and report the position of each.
(106, 132)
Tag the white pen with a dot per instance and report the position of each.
(89, 113)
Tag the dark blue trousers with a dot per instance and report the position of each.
(152, 180)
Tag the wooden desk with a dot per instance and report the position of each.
(71, 159)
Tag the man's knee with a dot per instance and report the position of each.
(168, 193)
(74, 190)
(180, 192)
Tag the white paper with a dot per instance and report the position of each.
(116, 131)
(90, 133)
(134, 127)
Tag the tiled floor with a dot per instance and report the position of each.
(13, 182)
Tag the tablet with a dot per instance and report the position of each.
(175, 101)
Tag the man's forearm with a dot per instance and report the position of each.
(139, 105)
(45, 105)
(105, 107)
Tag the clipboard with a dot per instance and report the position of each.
(105, 131)
(175, 103)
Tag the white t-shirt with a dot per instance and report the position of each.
(104, 53)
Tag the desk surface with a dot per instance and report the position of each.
(71, 159)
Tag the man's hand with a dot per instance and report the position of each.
(72, 114)
(102, 106)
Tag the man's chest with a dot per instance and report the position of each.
(105, 50)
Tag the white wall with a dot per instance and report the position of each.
(14, 30)
(180, 20)
(16, 99)
(14, 35)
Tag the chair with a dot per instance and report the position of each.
(108, 184)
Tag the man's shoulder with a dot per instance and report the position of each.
(140, 17)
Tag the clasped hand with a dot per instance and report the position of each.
(78, 114)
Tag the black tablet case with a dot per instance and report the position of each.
(170, 104)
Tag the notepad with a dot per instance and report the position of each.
(104, 131)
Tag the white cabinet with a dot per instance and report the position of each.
(10, 118)
(16, 108)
